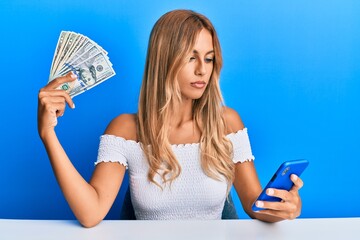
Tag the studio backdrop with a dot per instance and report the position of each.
(291, 70)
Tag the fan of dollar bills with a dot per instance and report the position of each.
(81, 55)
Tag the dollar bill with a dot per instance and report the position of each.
(84, 57)
(89, 73)
(86, 52)
(58, 47)
(69, 41)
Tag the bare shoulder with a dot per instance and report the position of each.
(123, 126)
(232, 120)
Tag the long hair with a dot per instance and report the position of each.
(171, 38)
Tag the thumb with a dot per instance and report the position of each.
(298, 183)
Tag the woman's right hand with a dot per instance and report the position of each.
(52, 102)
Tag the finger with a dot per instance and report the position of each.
(59, 108)
(50, 95)
(298, 183)
(69, 77)
(68, 99)
(280, 209)
(56, 108)
(274, 213)
(279, 214)
(270, 205)
(279, 193)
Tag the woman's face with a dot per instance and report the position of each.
(194, 76)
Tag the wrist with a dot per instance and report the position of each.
(47, 134)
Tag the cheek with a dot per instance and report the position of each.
(184, 75)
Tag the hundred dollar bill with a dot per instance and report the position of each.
(58, 47)
(60, 52)
(67, 46)
(89, 74)
(81, 55)
(89, 50)
(78, 40)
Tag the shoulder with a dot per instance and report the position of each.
(233, 120)
(123, 126)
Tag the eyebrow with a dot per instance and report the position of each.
(196, 52)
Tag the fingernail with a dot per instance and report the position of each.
(73, 75)
(294, 177)
(73, 106)
(259, 204)
(270, 191)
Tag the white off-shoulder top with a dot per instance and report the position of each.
(193, 195)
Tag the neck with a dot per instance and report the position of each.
(183, 115)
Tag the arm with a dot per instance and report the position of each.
(248, 187)
(90, 202)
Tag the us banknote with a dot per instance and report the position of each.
(84, 57)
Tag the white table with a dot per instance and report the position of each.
(326, 228)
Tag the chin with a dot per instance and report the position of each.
(192, 97)
(198, 97)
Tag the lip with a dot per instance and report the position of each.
(198, 84)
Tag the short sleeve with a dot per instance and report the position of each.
(112, 149)
(241, 146)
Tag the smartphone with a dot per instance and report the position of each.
(281, 180)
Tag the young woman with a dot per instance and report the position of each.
(183, 149)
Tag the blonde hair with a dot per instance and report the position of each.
(172, 37)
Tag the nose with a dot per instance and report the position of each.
(200, 68)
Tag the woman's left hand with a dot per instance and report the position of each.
(289, 207)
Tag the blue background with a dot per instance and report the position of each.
(291, 69)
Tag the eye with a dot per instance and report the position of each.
(209, 60)
(192, 59)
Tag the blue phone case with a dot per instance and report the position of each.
(281, 180)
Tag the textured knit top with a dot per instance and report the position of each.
(192, 195)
